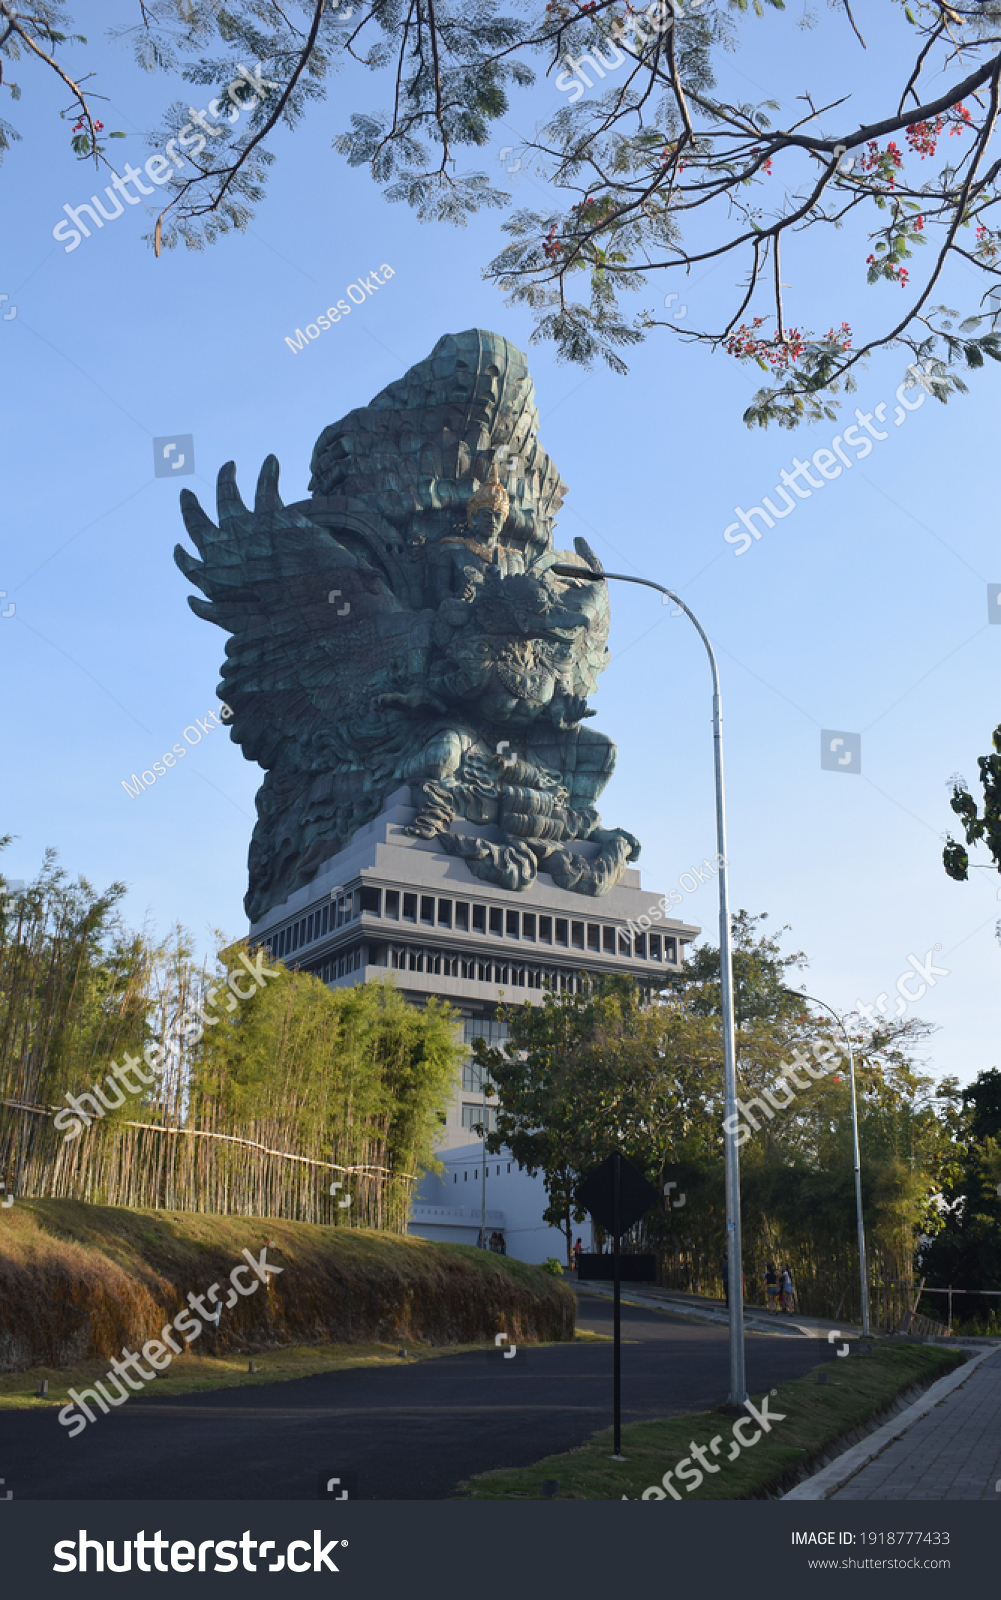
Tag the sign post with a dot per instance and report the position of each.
(617, 1301)
(617, 1195)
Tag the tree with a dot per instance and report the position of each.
(654, 168)
(559, 1102)
(977, 827)
(250, 1105)
(760, 971)
(601, 1070)
(965, 1252)
(589, 1073)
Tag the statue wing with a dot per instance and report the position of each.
(314, 626)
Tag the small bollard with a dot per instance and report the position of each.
(550, 1488)
(42, 1392)
(252, 1366)
(401, 1352)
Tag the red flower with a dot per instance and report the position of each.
(551, 247)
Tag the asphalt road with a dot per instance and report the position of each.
(403, 1433)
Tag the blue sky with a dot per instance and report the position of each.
(865, 610)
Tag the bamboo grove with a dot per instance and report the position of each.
(286, 1093)
(589, 1073)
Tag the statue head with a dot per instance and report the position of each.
(488, 510)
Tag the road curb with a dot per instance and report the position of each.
(834, 1476)
(708, 1315)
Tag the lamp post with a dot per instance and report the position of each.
(856, 1160)
(483, 1163)
(738, 1387)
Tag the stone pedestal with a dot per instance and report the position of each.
(391, 903)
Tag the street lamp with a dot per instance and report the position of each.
(483, 1162)
(862, 1266)
(738, 1387)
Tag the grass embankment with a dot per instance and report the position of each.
(858, 1390)
(79, 1282)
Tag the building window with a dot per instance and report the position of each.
(639, 945)
(511, 928)
(509, 1169)
(393, 904)
(625, 943)
(474, 1117)
(577, 935)
(561, 930)
(462, 915)
(670, 950)
(484, 1028)
(427, 909)
(497, 921)
(593, 936)
(608, 941)
(455, 1179)
(655, 947)
(369, 900)
(410, 908)
(444, 913)
(472, 1077)
(479, 919)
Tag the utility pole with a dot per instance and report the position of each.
(738, 1385)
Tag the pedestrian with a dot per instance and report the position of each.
(787, 1289)
(771, 1287)
(501, 1244)
(578, 1251)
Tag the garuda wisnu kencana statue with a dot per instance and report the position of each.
(404, 625)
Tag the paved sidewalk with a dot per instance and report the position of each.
(952, 1453)
(700, 1308)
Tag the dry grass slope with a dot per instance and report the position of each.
(78, 1282)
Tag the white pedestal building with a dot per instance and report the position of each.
(391, 903)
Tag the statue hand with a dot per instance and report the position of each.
(569, 709)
